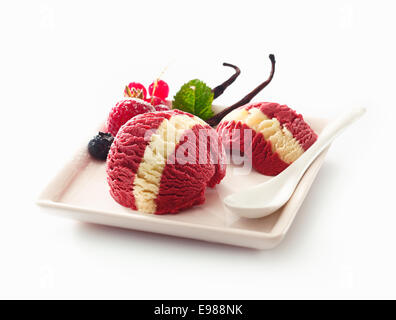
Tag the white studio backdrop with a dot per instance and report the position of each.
(63, 66)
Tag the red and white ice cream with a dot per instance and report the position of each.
(162, 162)
(279, 135)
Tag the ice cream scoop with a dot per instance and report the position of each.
(161, 162)
(279, 135)
(264, 199)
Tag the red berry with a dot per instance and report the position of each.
(137, 86)
(161, 89)
(154, 101)
(125, 110)
(162, 107)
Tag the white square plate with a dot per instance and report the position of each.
(80, 191)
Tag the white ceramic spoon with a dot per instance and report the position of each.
(265, 198)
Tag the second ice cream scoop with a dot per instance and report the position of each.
(265, 198)
(271, 135)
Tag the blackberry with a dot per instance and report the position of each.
(100, 145)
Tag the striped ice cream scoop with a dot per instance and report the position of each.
(162, 162)
(278, 134)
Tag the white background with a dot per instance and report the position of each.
(63, 66)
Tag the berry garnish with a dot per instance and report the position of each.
(99, 146)
(214, 120)
(162, 107)
(159, 88)
(134, 93)
(154, 101)
(135, 86)
(125, 110)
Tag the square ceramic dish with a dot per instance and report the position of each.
(80, 191)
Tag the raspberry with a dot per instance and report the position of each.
(158, 104)
(160, 88)
(125, 110)
(161, 107)
(155, 101)
(100, 145)
(137, 86)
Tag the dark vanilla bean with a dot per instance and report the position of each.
(221, 88)
(217, 118)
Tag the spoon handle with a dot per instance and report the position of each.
(330, 132)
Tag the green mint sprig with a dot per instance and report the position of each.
(195, 97)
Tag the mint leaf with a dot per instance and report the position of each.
(195, 97)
